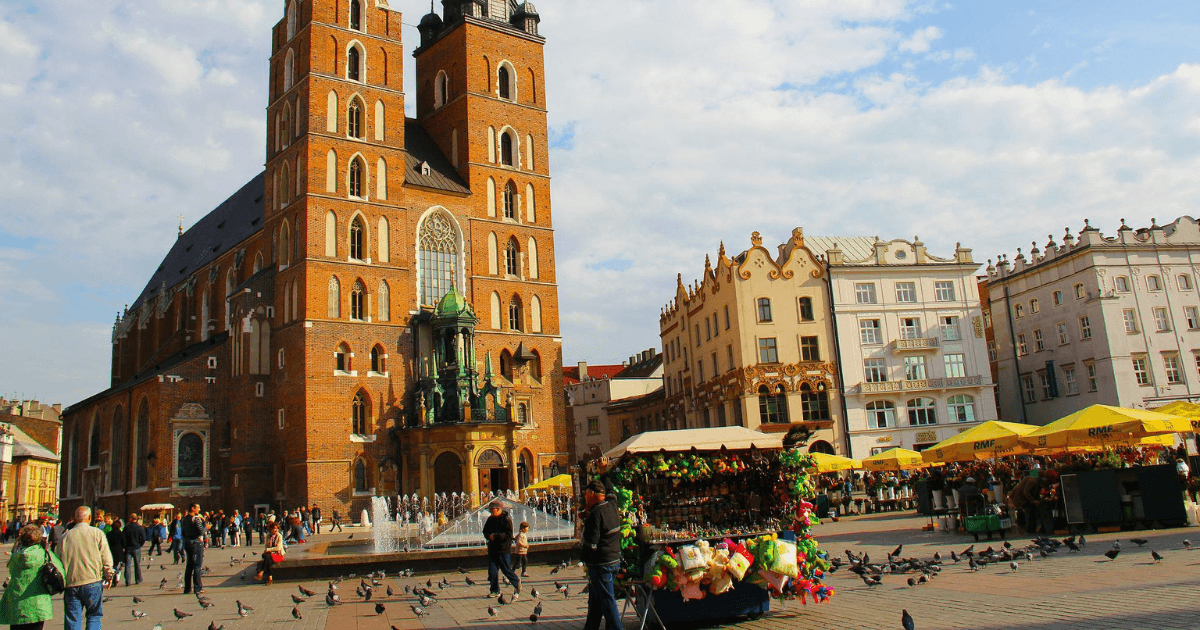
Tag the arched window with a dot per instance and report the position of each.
(821, 446)
(535, 366)
(355, 183)
(522, 414)
(258, 263)
(961, 408)
(881, 414)
(378, 360)
(384, 300)
(285, 186)
(493, 255)
(189, 457)
(285, 245)
(535, 314)
(331, 111)
(343, 358)
(353, 64)
(529, 152)
(116, 451)
(331, 169)
(335, 297)
(531, 258)
(441, 89)
(380, 121)
(438, 241)
(141, 449)
(70, 454)
(330, 234)
(356, 15)
(506, 149)
(502, 82)
(506, 364)
(515, 321)
(510, 200)
(530, 209)
(360, 476)
(354, 119)
(357, 300)
(291, 20)
(495, 304)
(512, 257)
(359, 411)
(772, 405)
(814, 404)
(921, 411)
(94, 443)
(357, 238)
(289, 70)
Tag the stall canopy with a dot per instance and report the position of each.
(1102, 425)
(990, 439)
(554, 483)
(894, 459)
(833, 463)
(156, 506)
(1189, 410)
(712, 439)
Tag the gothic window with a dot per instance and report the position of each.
(438, 240)
(356, 15)
(353, 64)
(357, 301)
(503, 83)
(285, 245)
(116, 450)
(291, 20)
(360, 476)
(506, 364)
(378, 362)
(342, 358)
(510, 200)
(506, 149)
(514, 314)
(330, 234)
(442, 87)
(511, 257)
(289, 70)
(142, 445)
(535, 314)
(358, 414)
(354, 119)
(335, 297)
(383, 298)
(189, 458)
(356, 178)
(357, 251)
(772, 405)
(535, 367)
(94, 443)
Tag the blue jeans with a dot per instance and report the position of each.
(133, 567)
(497, 564)
(79, 601)
(602, 601)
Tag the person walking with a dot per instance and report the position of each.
(272, 555)
(316, 517)
(177, 540)
(498, 530)
(26, 603)
(601, 552)
(247, 529)
(57, 531)
(521, 558)
(193, 529)
(155, 532)
(336, 521)
(135, 538)
(87, 564)
(116, 543)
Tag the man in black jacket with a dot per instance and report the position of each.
(194, 534)
(135, 537)
(498, 530)
(601, 553)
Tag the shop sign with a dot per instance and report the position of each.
(926, 436)
(886, 439)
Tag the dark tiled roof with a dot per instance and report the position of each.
(227, 225)
(652, 398)
(420, 148)
(571, 374)
(642, 369)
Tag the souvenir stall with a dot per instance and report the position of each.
(716, 523)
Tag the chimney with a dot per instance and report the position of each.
(58, 409)
(583, 370)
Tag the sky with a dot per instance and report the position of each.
(674, 126)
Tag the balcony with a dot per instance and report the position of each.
(918, 344)
(927, 384)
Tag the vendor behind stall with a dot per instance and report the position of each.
(1025, 498)
(602, 554)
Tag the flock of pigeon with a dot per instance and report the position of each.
(922, 571)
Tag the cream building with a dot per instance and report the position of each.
(751, 344)
(589, 395)
(911, 340)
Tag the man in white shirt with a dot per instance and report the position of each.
(88, 564)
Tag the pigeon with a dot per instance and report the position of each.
(207, 603)
(179, 614)
(158, 626)
(407, 590)
(297, 600)
(137, 600)
(389, 591)
(331, 599)
(912, 582)
(367, 597)
(137, 614)
(872, 580)
(243, 609)
(584, 590)
(306, 592)
(1045, 554)
(428, 583)
(469, 581)
(1082, 541)
(558, 586)
(906, 620)
(1117, 545)
(971, 562)
(537, 610)
(533, 618)
(296, 613)
(1187, 544)
(554, 571)
(350, 537)
(1138, 541)
(969, 551)
(1013, 565)
(212, 625)
(379, 608)
(954, 557)
(491, 611)
(106, 600)
(566, 591)
(1112, 553)
(162, 584)
(462, 571)
(502, 599)
(533, 592)
(1071, 544)
(937, 557)
(896, 552)
(1157, 556)
(417, 610)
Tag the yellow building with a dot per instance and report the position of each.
(752, 344)
(30, 482)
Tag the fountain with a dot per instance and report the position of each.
(383, 529)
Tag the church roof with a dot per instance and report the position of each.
(230, 223)
(853, 247)
(453, 304)
(422, 150)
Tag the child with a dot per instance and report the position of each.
(522, 559)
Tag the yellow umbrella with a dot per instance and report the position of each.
(556, 482)
(894, 459)
(833, 463)
(1189, 410)
(1101, 425)
(987, 440)
(1164, 439)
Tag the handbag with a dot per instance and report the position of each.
(52, 578)
(276, 557)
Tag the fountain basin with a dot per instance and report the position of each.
(328, 560)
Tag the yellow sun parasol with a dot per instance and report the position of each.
(553, 483)
(894, 459)
(990, 439)
(1102, 425)
(1188, 410)
(833, 463)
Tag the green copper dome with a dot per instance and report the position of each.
(452, 304)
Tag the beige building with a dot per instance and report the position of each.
(751, 344)
(589, 391)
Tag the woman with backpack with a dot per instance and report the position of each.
(26, 602)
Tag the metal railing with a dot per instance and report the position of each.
(923, 384)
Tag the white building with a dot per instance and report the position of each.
(910, 333)
(1110, 320)
(589, 389)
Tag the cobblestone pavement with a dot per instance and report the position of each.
(1068, 591)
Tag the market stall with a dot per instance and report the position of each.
(716, 522)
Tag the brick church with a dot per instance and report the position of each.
(377, 312)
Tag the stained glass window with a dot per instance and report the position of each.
(439, 257)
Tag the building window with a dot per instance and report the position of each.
(438, 257)
(1161, 322)
(716, 368)
(353, 64)
(729, 355)
(914, 369)
(1121, 283)
(1047, 385)
(1184, 282)
(810, 350)
(593, 426)
(189, 457)
(764, 309)
(707, 329)
(698, 339)
(334, 307)
(1027, 388)
(1085, 327)
(1140, 374)
(510, 200)
(1018, 311)
(943, 291)
(358, 415)
(1057, 297)
(514, 314)
(1033, 307)
(875, 370)
(355, 184)
(355, 15)
(383, 300)
(1038, 342)
(956, 366)
(699, 371)
(341, 358)
(881, 414)
(906, 292)
(864, 292)
(1062, 333)
(360, 476)
(378, 363)
(354, 122)
(767, 352)
(1093, 381)
(726, 318)
(1173, 369)
(502, 83)
(772, 405)
(991, 350)
(716, 326)
(1022, 345)
(870, 331)
(522, 414)
(950, 328)
(1069, 380)
(1193, 317)
(961, 408)
(1080, 292)
(814, 405)
(910, 328)
(357, 250)
(1154, 283)
(1130, 318)
(357, 301)
(921, 411)
(511, 258)
(806, 309)
(506, 149)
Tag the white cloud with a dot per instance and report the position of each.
(921, 40)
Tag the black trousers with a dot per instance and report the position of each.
(192, 580)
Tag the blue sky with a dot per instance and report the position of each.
(675, 126)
